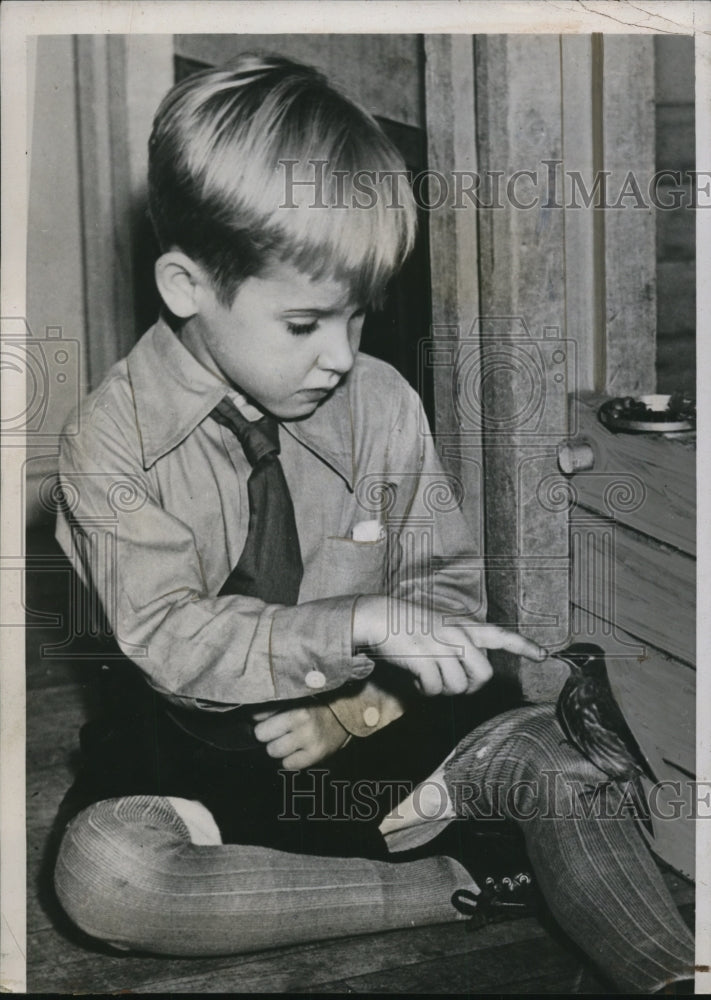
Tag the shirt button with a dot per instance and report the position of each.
(315, 680)
(371, 716)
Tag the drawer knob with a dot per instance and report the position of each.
(575, 456)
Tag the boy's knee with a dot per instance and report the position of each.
(108, 862)
(538, 739)
(522, 744)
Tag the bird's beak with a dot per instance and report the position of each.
(563, 654)
(580, 654)
(572, 661)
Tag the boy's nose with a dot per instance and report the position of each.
(337, 351)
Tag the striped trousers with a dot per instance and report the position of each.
(132, 872)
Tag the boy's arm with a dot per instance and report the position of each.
(214, 652)
(197, 648)
(432, 559)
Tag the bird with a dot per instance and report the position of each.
(593, 721)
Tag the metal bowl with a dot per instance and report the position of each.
(652, 414)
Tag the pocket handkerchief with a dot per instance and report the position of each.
(368, 531)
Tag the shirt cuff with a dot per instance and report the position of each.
(367, 710)
(311, 648)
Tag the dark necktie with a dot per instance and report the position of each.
(269, 568)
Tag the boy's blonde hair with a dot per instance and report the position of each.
(266, 161)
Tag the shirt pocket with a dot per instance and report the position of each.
(344, 566)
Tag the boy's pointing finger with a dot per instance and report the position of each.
(494, 637)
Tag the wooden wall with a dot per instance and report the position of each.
(55, 263)
(454, 251)
(94, 99)
(378, 70)
(567, 295)
(519, 355)
(676, 252)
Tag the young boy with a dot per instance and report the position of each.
(283, 558)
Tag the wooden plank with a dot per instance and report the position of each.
(646, 482)
(54, 714)
(658, 697)
(581, 265)
(543, 966)
(634, 583)
(55, 304)
(677, 296)
(43, 756)
(627, 110)
(106, 200)
(45, 790)
(543, 682)
(674, 69)
(517, 385)
(676, 227)
(674, 839)
(61, 965)
(38, 883)
(453, 235)
(676, 362)
(149, 74)
(359, 63)
(50, 673)
(676, 137)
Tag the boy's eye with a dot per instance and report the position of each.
(299, 329)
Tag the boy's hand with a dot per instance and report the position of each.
(300, 736)
(430, 658)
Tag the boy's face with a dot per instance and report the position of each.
(286, 341)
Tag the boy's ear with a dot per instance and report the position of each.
(179, 280)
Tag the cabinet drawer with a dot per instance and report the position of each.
(632, 581)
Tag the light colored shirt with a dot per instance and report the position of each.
(157, 516)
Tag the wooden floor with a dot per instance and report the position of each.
(517, 957)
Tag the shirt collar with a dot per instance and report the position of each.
(173, 393)
(328, 433)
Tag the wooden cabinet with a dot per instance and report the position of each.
(633, 589)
